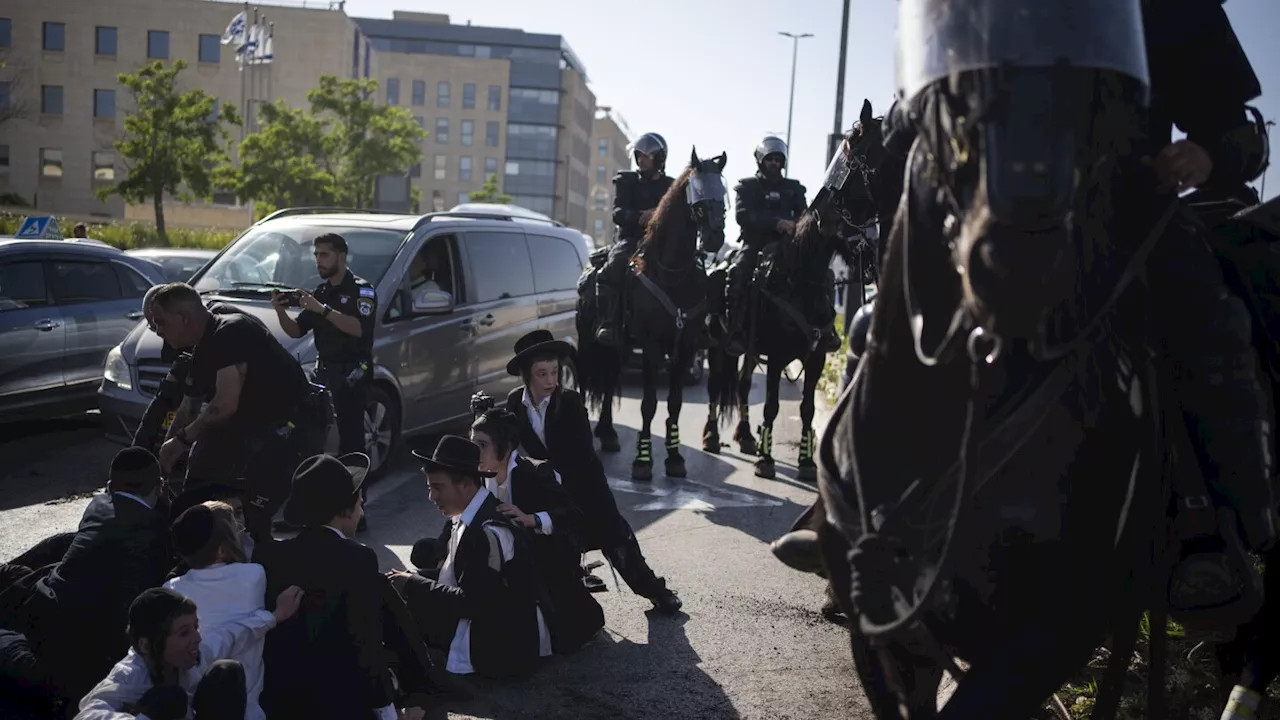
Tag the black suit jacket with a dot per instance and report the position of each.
(572, 614)
(498, 597)
(327, 661)
(81, 604)
(570, 448)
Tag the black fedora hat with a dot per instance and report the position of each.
(538, 342)
(454, 454)
(323, 487)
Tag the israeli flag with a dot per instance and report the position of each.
(235, 32)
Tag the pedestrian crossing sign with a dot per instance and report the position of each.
(40, 228)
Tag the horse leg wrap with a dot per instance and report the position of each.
(642, 468)
(807, 469)
(765, 465)
(675, 463)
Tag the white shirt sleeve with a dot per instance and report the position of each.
(231, 639)
(387, 713)
(546, 523)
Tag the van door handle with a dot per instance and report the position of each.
(487, 320)
(46, 324)
(469, 325)
(135, 315)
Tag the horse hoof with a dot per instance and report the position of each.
(747, 445)
(711, 444)
(676, 468)
(766, 468)
(799, 550)
(609, 444)
(807, 473)
(642, 472)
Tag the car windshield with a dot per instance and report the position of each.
(280, 255)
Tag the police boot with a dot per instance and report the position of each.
(736, 309)
(608, 333)
(830, 340)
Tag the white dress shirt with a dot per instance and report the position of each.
(459, 662)
(538, 419)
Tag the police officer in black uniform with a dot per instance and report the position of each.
(635, 195)
(243, 400)
(341, 312)
(768, 206)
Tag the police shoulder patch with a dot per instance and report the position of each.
(365, 305)
(368, 292)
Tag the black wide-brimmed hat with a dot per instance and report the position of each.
(454, 454)
(323, 487)
(538, 342)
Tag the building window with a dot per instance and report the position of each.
(463, 197)
(601, 199)
(104, 104)
(50, 163)
(531, 141)
(210, 49)
(55, 37)
(51, 99)
(104, 167)
(442, 167)
(602, 149)
(490, 167)
(599, 229)
(4, 159)
(469, 96)
(416, 170)
(495, 97)
(437, 201)
(104, 41)
(422, 122)
(393, 91)
(158, 44)
(419, 92)
(464, 168)
(491, 133)
(6, 33)
(468, 132)
(442, 131)
(601, 174)
(443, 96)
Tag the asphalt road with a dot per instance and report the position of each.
(750, 643)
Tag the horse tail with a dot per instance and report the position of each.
(722, 385)
(599, 373)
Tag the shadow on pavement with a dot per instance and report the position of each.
(52, 460)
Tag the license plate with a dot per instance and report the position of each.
(168, 420)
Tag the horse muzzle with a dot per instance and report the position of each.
(1012, 275)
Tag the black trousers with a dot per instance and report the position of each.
(611, 276)
(258, 461)
(348, 403)
(630, 563)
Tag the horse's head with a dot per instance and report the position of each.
(705, 192)
(846, 203)
(1024, 111)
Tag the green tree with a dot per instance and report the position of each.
(330, 154)
(490, 193)
(172, 140)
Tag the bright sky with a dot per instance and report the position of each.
(716, 74)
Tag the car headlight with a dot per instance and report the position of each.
(116, 370)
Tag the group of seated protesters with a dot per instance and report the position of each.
(136, 616)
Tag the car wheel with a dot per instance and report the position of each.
(381, 429)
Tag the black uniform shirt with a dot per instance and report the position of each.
(273, 384)
(353, 297)
(762, 202)
(632, 195)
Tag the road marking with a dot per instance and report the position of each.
(691, 495)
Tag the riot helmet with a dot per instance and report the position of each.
(1251, 140)
(771, 145)
(940, 38)
(653, 145)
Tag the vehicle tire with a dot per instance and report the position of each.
(382, 429)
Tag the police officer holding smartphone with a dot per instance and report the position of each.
(341, 312)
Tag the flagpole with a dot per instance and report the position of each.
(240, 59)
(271, 60)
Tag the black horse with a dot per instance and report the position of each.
(790, 303)
(1003, 431)
(665, 305)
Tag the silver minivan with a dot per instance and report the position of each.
(63, 306)
(455, 291)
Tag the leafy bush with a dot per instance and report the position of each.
(133, 235)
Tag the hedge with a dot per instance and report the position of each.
(133, 235)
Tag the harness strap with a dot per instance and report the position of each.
(678, 313)
(795, 317)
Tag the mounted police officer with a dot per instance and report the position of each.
(635, 196)
(341, 311)
(768, 206)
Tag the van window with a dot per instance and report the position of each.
(281, 253)
(555, 263)
(132, 283)
(500, 265)
(432, 268)
(22, 285)
(76, 281)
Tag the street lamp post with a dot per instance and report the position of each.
(791, 106)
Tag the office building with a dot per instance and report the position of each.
(610, 138)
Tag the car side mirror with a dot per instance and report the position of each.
(429, 301)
